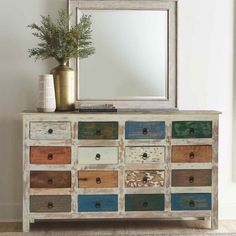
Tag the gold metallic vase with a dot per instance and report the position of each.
(64, 84)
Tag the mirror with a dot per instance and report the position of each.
(131, 56)
(135, 61)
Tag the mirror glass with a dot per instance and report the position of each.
(131, 56)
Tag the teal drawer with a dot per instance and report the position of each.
(97, 203)
(144, 202)
(191, 129)
(190, 201)
(145, 130)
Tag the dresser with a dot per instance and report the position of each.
(124, 165)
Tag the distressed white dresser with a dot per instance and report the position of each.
(146, 165)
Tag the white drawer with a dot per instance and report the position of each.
(144, 154)
(98, 155)
(50, 130)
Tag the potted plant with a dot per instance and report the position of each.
(62, 42)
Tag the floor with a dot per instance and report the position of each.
(121, 228)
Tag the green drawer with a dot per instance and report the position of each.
(98, 130)
(191, 129)
(144, 202)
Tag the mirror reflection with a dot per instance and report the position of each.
(131, 56)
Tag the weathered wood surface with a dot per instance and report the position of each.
(50, 130)
(145, 178)
(192, 129)
(145, 130)
(190, 201)
(144, 154)
(191, 153)
(144, 202)
(50, 203)
(98, 179)
(50, 155)
(50, 179)
(98, 155)
(191, 178)
(98, 130)
(97, 203)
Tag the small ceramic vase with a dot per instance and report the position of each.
(46, 94)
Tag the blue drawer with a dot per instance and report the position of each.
(96, 203)
(190, 201)
(145, 130)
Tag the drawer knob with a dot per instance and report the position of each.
(98, 180)
(50, 205)
(145, 131)
(145, 204)
(145, 156)
(50, 131)
(145, 179)
(97, 205)
(50, 156)
(191, 155)
(97, 157)
(191, 179)
(191, 131)
(98, 132)
(50, 181)
(191, 203)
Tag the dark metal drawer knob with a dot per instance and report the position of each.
(145, 156)
(145, 204)
(191, 155)
(145, 131)
(50, 156)
(98, 132)
(191, 131)
(50, 131)
(50, 181)
(145, 179)
(191, 203)
(191, 179)
(50, 205)
(97, 157)
(98, 180)
(97, 205)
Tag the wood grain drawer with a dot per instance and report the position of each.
(50, 155)
(98, 155)
(144, 178)
(97, 203)
(98, 179)
(181, 178)
(145, 130)
(191, 129)
(144, 202)
(144, 154)
(50, 203)
(191, 154)
(98, 130)
(50, 179)
(190, 201)
(50, 130)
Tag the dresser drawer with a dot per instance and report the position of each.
(96, 203)
(98, 130)
(50, 130)
(192, 129)
(98, 179)
(191, 154)
(190, 201)
(98, 155)
(181, 178)
(50, 155)
(144, 178)
(144, 202)
(50, 203)
(145, 130)
(50, 179)
(144, 154)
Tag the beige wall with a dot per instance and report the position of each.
(205, 82)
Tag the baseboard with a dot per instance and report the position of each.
(10, 212)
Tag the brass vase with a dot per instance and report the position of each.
(64, 84)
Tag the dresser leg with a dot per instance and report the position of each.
(214, 222)
(26, 226)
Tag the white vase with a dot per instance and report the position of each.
(46, 94)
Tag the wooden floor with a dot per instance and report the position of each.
(128, 228)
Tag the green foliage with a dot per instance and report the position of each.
(60, 41)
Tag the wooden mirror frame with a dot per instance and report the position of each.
(143, 103)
